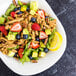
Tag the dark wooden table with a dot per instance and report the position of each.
(66, 66)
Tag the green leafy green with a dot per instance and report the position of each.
(50, 38)
(6, 17)
(41, 49)
(48, 45)
(10, 9)
(51, 19)
(26, 53)
(35, 58)
(25, 57)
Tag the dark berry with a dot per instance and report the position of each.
(37, 38)
(19, 8)
(28, 9)
(33, 19)
(18, 36)
(48, 35)
(46, 17)
(15, 55)
(43, 40)
(8, 30)
(46, 50)
(0, 42)
(25, 36)
(19, 12)
(30, 57)
(15, 9)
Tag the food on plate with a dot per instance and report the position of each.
(28, 33)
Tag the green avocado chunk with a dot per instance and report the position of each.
(42, 54)
(42, 45)
(35, 54)
(48, 31)
(25, 31)
(2, 20)
(11, 35)
(11, 53)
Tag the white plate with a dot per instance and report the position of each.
(43, 63)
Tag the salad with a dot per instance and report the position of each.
(28, 33)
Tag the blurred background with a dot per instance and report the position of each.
(66, 66)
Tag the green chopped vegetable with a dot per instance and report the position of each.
(51, 19)
(48, 31)
(42, 54)
(34, 5)
(42, 45)
(12, 35)
(41, 49)
(52, 35)
(34, 54)
(25, 31)
(29, 37)
(10, 9)
(24, 8)
(11, 53)
(32, 12)
(25, 59)
(25, 56)
(2, 20)
(50, 38)
(28, 52)
(48, 45)
(20, 3)
(6, 17)
(27, 46)
(28, 4)
(36, 58)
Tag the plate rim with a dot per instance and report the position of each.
(48, 66)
